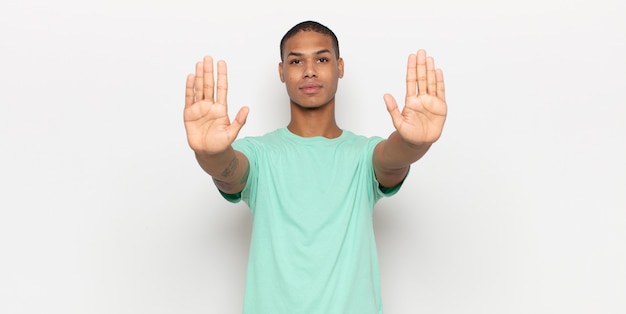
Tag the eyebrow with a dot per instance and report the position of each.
(300, 54)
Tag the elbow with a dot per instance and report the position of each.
(391, 178)
(227, 187)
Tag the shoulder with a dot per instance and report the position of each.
(360, 140)
(258, 139)
(254, 145)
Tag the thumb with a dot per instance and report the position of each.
(239, 121)
(392, 108)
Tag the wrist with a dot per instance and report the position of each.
(214, 155)
(410, 145)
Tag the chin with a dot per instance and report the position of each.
(310, 104)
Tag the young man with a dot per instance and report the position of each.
(311, 186)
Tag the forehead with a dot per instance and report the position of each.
(308, 42)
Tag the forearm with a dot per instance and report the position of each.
(228, 169)
(393, 157)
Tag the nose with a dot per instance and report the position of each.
(309, 71)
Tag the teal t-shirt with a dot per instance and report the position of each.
(312, 248)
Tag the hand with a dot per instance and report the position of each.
(422, 118)
(209, 130)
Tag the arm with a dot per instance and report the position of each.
(229, 170)
(418, 125)
(210, 133)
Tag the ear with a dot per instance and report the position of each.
(340, 66)
(280, 72)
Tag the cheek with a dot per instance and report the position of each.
(291, 80)
(291, 86)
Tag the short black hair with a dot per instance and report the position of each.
(309, 26)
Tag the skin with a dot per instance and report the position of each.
(418, 125)
(311, 73)
(310, 70)
(210, 132)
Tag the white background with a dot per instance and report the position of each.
(520, 208)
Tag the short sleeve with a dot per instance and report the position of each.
(390, 191)
(233, 198)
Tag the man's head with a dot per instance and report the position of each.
(309, 26)
(310, 65)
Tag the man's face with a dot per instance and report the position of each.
(310, 69)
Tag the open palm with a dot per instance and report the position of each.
(209, 130)
(424, 113)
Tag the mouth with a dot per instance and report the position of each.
(310, 88)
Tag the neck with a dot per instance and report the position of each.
(309, 122)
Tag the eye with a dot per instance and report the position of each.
(322, 60)
(295, 61)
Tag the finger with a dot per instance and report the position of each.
(430, 76)
(199, 95)
(239, 121)
(411, 76)
(222, 82)
(441, 91)
(392, 108)
(421, 72)
(189, 94)
(208, 78)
